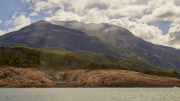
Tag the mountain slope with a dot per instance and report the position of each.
(124, 40)
(44, 34)
(32, 58)
(103, 38)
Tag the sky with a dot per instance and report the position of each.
(156, 21)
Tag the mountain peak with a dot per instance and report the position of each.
(42, 21)
(104, 31)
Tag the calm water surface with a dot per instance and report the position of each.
(89, 94)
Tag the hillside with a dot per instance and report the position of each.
(25, 67)
(103, 38)
(32, 58)
(103, 58)
(125, 43)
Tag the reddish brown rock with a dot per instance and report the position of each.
(107, 83)
(1, 75)
(6, 72)
(28, 77)
(4, 83)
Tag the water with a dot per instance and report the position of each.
(89, 94)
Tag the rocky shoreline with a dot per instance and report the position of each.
(11, 77)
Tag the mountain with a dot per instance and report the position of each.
(110, 34)
(161, 56)
(45, 34)
(105, 38)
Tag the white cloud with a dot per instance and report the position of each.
(129, 7)
(167, 12)
(23, 13)
(19, 23)
(14, 15)
(176, 21)
(0, 21)
(117, 22)
(26, 1)
(129, 11)
(95, 16)
(40, 5)
(8, 22)
(174, 36)
(63, 16)
(33, 14)
(22, 20)
(149, 33)
(2, 32)
(44, 6)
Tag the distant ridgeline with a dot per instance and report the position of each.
(35, 58)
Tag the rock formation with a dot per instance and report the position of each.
(29, 77)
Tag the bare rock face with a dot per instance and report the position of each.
(28, 77)
(118, 78)
(19, 77)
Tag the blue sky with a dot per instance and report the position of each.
(9, 7)
(157, 21)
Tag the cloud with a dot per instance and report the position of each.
(44, 6)
(8, 22)
(174, 36)
(129, 11)
(154, 4)
(95, 16)
(2, 32)
(20, 22)
(149, 33)
(0, 21)
(176, 21)
(167, 12)
(40, 5)
(14, 15)
(28, 1)
(33, 14)
(63, 16)
(92, 11)
(125, 8)
(23, 13)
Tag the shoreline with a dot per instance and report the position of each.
(33, 78)
(96, 87)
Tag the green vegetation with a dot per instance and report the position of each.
(102, 58)
(115, 48)
(136, 53)
(33, 58)
(24, 57)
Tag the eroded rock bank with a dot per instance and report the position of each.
(29, 77)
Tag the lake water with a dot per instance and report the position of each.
(89, 94)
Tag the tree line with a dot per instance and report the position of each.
(32, 58)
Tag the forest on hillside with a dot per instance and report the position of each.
(33, 58)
